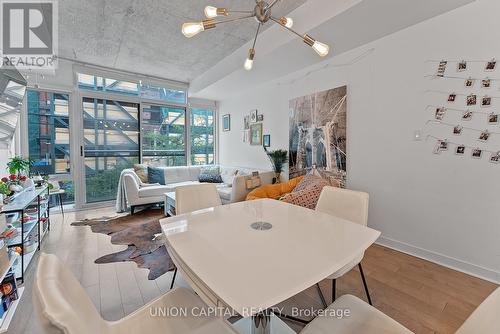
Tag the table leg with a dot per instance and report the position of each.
(261, 323)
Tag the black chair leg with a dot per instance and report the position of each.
(364, 284)
(334, 290)
(323, 301)
(132, 208)
(61, 203)
(173, 279)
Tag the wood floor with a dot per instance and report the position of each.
(425, 297)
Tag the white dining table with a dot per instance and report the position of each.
(250, 256)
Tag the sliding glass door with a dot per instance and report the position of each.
(110, 144)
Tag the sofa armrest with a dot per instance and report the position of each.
(131, 188)
(239, 190)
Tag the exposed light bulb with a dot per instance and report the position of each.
(286, 21)
(321, 48)
(210, 12)
(249, 62)
(192, 29)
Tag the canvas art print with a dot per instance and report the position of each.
(318, 125)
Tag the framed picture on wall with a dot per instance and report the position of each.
(253, 116)
(246, 122)
(226, 122)
(256, 134)
(266, 140)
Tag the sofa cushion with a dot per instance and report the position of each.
(142, 172)
(194, 172)
(225, 192)
(178, 174)
(156, 175)
(153, 191)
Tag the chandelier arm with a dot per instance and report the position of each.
(289, 29)
(235, 19)
(230, 11)
(256, 35)
(272, 4)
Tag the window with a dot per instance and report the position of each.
(127, 121)
(163, 94)
(48, 140)
(96, 83)
(163, 135)
(139, 89)
(111, 144)
(202, 136)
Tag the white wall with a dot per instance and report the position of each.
(440, 207)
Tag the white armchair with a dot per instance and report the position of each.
(62, 306)
(365, 319)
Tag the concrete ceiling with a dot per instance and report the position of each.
(343, 24)
(145, 36)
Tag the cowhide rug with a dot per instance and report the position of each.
(141, 232)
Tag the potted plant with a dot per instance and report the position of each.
(19, 166)
(278, 159)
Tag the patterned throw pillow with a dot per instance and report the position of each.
(210, 178)
(156, 175)
(142, 172)
(210, 174)
(308, 193)
(307, 181)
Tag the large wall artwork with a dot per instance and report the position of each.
(318, 125)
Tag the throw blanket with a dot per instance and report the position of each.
(121, 196)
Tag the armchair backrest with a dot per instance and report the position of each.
(61, 304)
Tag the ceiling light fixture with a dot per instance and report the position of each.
(262, 13)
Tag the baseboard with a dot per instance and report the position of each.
(452, 263)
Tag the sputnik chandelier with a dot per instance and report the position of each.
(261, 13)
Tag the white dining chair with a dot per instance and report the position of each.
(62, 306)
(196, 197)
(365, 319)
(193, 198)
(350, 205)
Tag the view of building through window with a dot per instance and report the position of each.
(202, 136)
(169, 135)
(163, 135)
(48, 139)
(111, 144)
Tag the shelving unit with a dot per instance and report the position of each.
(7, 316)
(33, 229)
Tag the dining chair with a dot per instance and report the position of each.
(352, 206)
(365, 319)
(62, 306)
(192, 198)
(196, 197)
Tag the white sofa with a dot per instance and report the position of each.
(137, 193)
